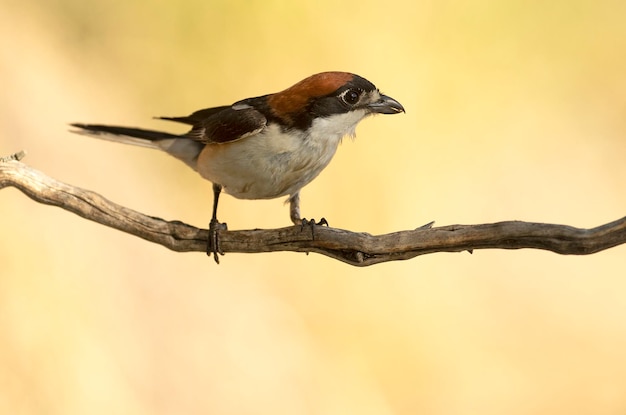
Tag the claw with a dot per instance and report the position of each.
(213, 243)
(312, 224)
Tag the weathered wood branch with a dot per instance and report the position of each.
(358, 249)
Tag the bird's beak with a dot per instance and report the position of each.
(386, 105)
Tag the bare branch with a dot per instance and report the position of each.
(13, 157)
(358, 249)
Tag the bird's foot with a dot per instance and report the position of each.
(213, 243)
(311, 223)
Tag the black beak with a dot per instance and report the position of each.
(386, 105)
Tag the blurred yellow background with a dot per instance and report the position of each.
(515, 110)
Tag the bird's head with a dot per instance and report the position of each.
(339, 97)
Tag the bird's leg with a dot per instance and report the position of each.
(213, 244)
(294, 208)
(294, 214)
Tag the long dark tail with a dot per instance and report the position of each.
(178, 146)
(97, 129)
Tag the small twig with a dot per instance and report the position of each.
(13, 157)
(358, 249)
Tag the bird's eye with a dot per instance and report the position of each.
(351, 96)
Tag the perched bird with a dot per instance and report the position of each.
(268, 146)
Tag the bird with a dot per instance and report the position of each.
(267, 146)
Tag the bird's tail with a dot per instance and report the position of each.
(178, 146)
(126, 135)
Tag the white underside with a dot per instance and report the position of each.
(271, 163)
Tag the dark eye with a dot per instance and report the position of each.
(351, 96)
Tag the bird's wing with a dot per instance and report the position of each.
(223, 124)
(197, 116)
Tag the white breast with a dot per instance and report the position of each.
(272, 163)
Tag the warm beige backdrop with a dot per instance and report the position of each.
(515, 110)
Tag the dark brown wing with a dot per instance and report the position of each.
(223, 124)
(197, 116)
